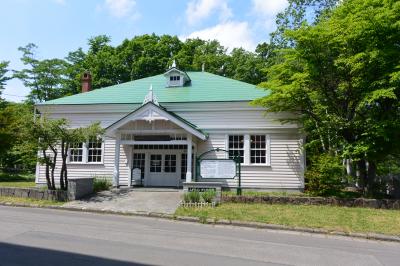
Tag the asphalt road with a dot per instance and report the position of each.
(52, 237)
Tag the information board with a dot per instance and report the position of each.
(220, 169)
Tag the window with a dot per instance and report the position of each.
(76, 152)
(155, 163)
(236, 147)
(94, 150)
(170, 163)
(175, 78)
(89, 152)
(138, 161)
(258, 150)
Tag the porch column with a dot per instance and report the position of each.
(116, 162)
(189, 159)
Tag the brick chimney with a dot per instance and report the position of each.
(86, 81)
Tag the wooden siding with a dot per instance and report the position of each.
(218, 120)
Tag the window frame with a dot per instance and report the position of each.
(258, 149)
(236, 149)
(74, 148)
(101, 150)
(247, 148)
(85, 154)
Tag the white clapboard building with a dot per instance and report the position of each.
(157, 127)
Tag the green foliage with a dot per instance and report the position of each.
(341, 78)
(15, 150)
(3, 77)
(45, 78)
(197, 196)
(324, 177)
(101, 183)
(208, 195)
(192, 196)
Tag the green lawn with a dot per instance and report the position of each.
(29, 201)
(362, 220)
(16, 180)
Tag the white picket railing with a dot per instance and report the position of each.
(197, 204)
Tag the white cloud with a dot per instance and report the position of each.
(266, 11)
(197, 10)
(230, 34)
(121, 8)
(269, 7)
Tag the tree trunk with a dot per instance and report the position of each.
(53, 167)
(372, 189)
(62, 167)
(47, 162)
(361, 165)
(396, 187)
(63, 174)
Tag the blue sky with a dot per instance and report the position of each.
(60, 26)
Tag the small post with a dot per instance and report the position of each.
(239, 188)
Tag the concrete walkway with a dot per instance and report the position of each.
(159, 200)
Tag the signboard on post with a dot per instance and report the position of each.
(218, 169)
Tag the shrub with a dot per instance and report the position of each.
(192, 196)
(208, 195)
(101, 184)
(324, 177)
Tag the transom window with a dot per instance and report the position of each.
(94, 150)
(258, 150)
(236, 147)
(76, 152)
(170, 163)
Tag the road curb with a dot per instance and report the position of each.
(256, 225)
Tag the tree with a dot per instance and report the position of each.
(69, 136)
(46, 132)
(15, 151)
(297, 13)
(54, 138)
(342, 78)
(45, 78)
(3, 77)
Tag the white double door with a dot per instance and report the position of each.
(163, 169)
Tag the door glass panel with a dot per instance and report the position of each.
(139, 162)
(155, 163)
(170, 163)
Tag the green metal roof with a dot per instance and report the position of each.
(205, 87)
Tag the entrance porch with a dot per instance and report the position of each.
(160, 147)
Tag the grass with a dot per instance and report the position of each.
(101, 184)
(17, 180)
(15, 200)
(361, 220)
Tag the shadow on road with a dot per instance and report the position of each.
(11, 254)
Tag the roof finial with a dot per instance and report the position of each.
(150, 97)
(173, 64)
(203, 66)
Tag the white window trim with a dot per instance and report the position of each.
(247, 149)
(85, 154)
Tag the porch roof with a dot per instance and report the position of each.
(156, 112)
